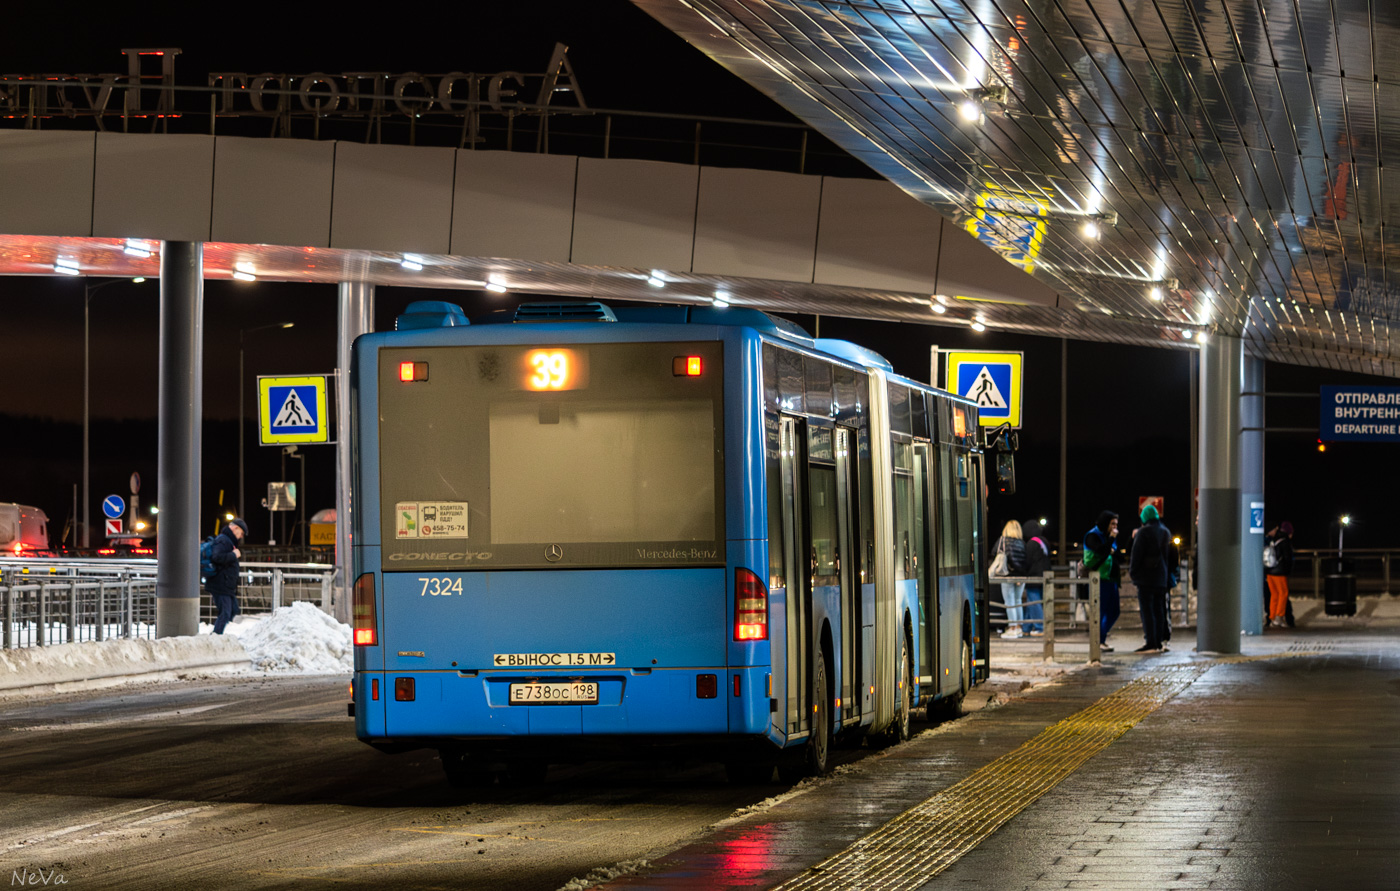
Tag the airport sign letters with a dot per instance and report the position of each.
(1359, 414)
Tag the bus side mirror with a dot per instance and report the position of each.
(1006, 473)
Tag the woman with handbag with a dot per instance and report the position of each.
(1010, 561)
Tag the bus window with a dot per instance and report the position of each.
(818, 375)
(899, 409)
(906, 559)
(773, 472)
(821, 489)
(947, 511)
(624, 469)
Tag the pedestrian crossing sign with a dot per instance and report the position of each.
(292, 410)
(992, 380)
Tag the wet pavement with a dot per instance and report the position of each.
(1273, 769)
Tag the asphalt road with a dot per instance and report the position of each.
(260, 783)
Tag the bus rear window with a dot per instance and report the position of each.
(527, 456)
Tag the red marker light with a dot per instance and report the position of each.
(687, 366)
(405, 371)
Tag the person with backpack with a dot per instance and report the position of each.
(1037, 564)
(1101, 556)
(1152, 565)
(1278, 563)
(222, 583)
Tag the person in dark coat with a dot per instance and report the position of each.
(1281, 540)
(1101, 556)
(1152, 564)
(1037, 564)
(223, 584)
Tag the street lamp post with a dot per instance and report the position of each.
(88, 290)
(1342, 525)
(242, 434)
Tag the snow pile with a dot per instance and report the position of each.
(605, 874)
(98, 660)
(297, 638)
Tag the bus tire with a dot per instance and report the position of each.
(904, 709)
(819, 745)
(899, 730)
(463, 771)
(814, 757)
(951, 707)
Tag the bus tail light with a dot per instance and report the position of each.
(750, 606)
(363, 611)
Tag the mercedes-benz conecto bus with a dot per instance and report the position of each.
(582, 530)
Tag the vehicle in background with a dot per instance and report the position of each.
(24, 530)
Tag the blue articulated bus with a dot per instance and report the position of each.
(581, 531)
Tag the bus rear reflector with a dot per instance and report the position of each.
(706, 686)
(363, 612)
(403, 689)
(750, 606)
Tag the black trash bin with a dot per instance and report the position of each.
(1339, 598)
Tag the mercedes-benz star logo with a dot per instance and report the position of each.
(554, 553)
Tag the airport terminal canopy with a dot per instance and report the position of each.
(1167, 167)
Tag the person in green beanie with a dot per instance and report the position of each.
(1151, 566)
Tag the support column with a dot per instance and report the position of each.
(1252, 497)
(1218, 623)
(356, 317)
(181, 406)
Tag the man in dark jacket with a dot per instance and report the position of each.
(1101, 556)
(1276, 575)
(1152, 564)
(1037, 564)
(223, 584)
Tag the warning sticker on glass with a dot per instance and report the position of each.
(430, 519)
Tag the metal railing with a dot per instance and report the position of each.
(1048, 602)
(67, 103)
(46, 602)
(1061, 598)
(1370, 566)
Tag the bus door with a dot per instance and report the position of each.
(847, 563)
(789, 654)
(926, 529)
(829, 542)
(981, 626)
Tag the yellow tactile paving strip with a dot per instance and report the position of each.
(929, 837)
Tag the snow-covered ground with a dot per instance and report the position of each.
(296, 639)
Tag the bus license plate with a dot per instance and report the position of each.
(570, 693)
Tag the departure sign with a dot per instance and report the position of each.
(552, 370)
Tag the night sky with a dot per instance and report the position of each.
(1128, 406)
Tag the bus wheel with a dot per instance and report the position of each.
(464, 771)
(898, 729)
(819, 745)
(816, 754)
(749, 773)
(951, 707)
